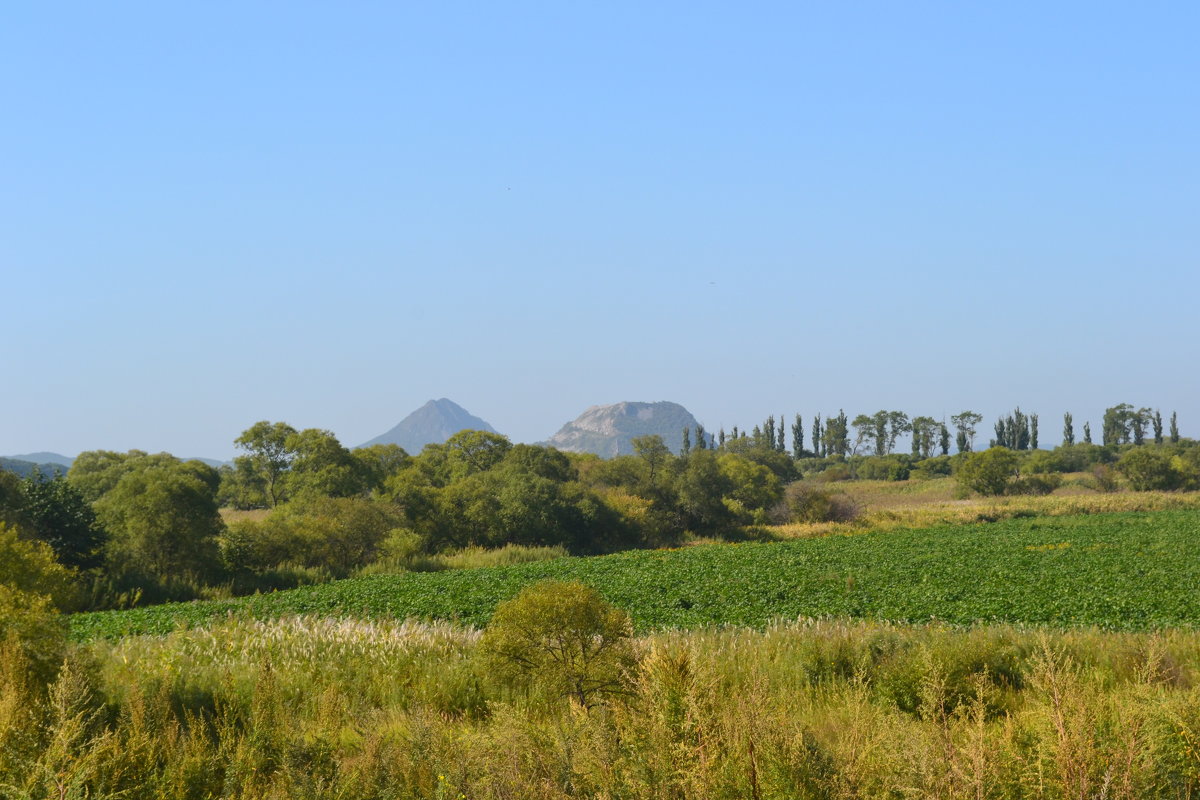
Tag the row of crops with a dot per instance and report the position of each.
(1126, 571)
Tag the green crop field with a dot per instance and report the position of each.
(1123, 571)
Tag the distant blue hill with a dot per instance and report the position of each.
(44, 458)
(23, 467)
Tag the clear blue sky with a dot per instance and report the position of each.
(329, 213)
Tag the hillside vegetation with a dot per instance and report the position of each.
(1126, 571)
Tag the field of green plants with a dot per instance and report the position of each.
(1130, 571)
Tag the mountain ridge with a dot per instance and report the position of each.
(432, 423)
(609, 430)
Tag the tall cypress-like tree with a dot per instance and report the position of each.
(781, 441)
(1068, 429)
(687, 442)
(1087, 433)
(1158, 427)
(1001, 439)
(1174, 429)
(769, 432)
(721, 438)
(944, 439)
(1033, 432)
(701, 437)
(817, 439)
(798, 438)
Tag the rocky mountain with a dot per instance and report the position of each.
(609, 430)
(432, 423)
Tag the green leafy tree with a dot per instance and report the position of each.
(654, 452)
(1149, 470)
(925, 432)
(753, 486)
(1033, 431)
(378, 462)
(701, 440)
(163, 521)
(1116, 426)
(701, 487)
(321, 466)
(944, 437)
(836, 436)
(1174, 429)
(1068, 429)
(562, 639)
(965, 423)
(33, 588)
(686, 447)
(1087, 433)
(469, 452)
(95, 472)
(1138, 420)
(817, 439)
(267, 459)
(988, 472)
(867, 436)
(798, 438)
(1158, 426)
(56, 513)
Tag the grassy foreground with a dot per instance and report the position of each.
(1132, 571)
(308, 707)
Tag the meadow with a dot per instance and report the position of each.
(1130, 571)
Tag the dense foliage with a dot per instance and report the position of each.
(1131, 571)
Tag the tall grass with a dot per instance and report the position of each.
(309, 707)
(889, 507)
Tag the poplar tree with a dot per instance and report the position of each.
(966, 422)
(1087, 433)
(687, 442)
(1158, 427)
(781, 443)
(721, 438)
(1033, 432)
(769, 432)
(701, 440)
(944, 439)
(798, 437)
(1068, 429)
(1174, 429)
(818, 449)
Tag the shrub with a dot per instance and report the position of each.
(883, 468)
(562, 638)
(1147, 469)
(987, 472)
(1034, 484)
(1104, 479)
(808, 502)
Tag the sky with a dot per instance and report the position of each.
(329, 213)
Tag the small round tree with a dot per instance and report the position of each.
(987, 472)
(562, 638)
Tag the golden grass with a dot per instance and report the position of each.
(316, 708)
(919, 504)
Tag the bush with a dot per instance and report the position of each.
(1104, 479)
(883, 468)
(808, 502)
(931, 468)
(987, 472)
(1034, 484)
(561, 638)
(1149, 469)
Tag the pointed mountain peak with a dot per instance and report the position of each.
(432, 423)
